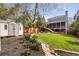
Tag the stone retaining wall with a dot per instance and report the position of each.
(62, 52)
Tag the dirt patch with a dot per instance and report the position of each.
(10, 46)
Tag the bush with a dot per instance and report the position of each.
(34, 46)
(34, 36)
(33, 40)
(27, 36)
(32, 43)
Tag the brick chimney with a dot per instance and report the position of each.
(66, 13)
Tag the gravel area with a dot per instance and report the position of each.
(14, 46)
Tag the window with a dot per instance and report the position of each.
(62, 23)
(5, 27)
(20, 27)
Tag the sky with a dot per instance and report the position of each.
(70, 7)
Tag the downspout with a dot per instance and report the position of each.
(66, 24)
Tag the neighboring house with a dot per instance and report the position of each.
(10, 28)
(60, 23)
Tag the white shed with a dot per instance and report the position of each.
(15, 29)
(10, 28)
(3, 28)
(20, 29)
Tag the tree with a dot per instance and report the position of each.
(34, 12)
(43, 9)
(74, 29)
(25, 21)
(14, 11)
(25, 18)
(3, 11)
(75, 25)
(40, 22)
(76, 17)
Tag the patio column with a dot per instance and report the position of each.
(56, 25)
(60, 27)
(52, 26)
(66, 27)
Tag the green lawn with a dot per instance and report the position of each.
(61, 41)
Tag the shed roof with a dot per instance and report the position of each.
(4, 21)
(8, 20)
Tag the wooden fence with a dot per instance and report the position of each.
(31, 30)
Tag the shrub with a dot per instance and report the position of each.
(32, 43)
(34, 36)
(27, 36)
(33, 40)
(34, 46)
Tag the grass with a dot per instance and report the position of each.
(60, 41)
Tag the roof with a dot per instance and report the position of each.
(57, 18)
(60, 18)
(4, 21)
(10, 22)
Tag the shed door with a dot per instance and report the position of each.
(14, 29)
